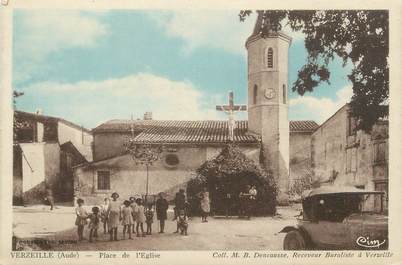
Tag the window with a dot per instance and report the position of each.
(255, 94)
(379, 152)
(50, 132)
(351, 160)
(103, 180)
(270, 58)
(381, 202)
(334, 208)
(351, 125)
(172, 160)
(354, 160)
(284, 93)
(25, 135)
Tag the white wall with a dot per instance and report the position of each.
(34, 155)
(81, 140)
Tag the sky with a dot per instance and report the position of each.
(92, 66)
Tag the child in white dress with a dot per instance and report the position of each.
(140, 214)
(104, 207)
(81, 219)
(127, 219)
(113, 216)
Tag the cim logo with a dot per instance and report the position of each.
(366, 242)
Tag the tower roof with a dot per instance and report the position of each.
(259, 24)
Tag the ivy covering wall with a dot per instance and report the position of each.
(226, 176)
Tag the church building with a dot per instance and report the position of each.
(188, 144)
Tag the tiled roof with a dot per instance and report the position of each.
(170, 131)
(43, 118)
(125, 125)
(257, 32)
(195, 132)
(302, 126)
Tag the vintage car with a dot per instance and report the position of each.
(345, 218)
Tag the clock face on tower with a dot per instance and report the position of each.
(269, 93)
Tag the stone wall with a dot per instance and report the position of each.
(51, 152)
(300, 155)
(350, 157)
(109, 144)
(328, 147)
(29, 187)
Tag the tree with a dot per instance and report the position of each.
(357, 36)
(229, 173)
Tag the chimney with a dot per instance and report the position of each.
(148, 115)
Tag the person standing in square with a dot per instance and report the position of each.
(149, 219)
(81, 219)
(205, 204)
(94, 220)
(113, 216)
(134, 211)
(127, 219)
(49, 196)
(104, 208)
(140, 218)
(161, 211)
(179, 201)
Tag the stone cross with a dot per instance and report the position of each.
(230, 111)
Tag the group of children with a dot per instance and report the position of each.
(134, 214)
(131, 215)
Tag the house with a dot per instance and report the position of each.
(45, 149)
(343, 155)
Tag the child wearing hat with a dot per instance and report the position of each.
(113, 216)
(81, 219)
(140, 214)
(127, 219)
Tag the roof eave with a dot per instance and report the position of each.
(280, 34)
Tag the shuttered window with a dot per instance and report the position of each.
(270, 58)
(103, 180)
(351, 160)
(379, 152)
(255, 94)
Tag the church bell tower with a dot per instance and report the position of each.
(268, 100)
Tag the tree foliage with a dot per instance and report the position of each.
(229, 173)
(357, 36)
(300, 185)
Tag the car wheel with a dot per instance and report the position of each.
(294, 241)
